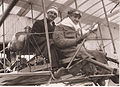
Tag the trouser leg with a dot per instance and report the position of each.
(84, 53)
(13, 57)
(55, 58)
(83, 64)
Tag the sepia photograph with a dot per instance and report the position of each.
(59, 42)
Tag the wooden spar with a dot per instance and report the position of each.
(115, 7)
(109, 27)
(61, 17)
(101, 38)
(76, 6)
(47, 35)
(32, 15)
(31, 7)
(4, 16)
(6, 13)
(81, 79)
(79, 48)
(3, 38)
(46, 8)
(113, 60)
(102, 65)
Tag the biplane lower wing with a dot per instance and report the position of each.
(24, 78)
(43, 77)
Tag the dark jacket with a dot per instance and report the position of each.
(39, 40)
(38, 27)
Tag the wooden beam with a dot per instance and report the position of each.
(36, 3)
(92, 6)
(113, 13)
(46, 9)
(63, 6)
(115, 1)
(108, 24)
(66, 5)
(86, 18)
(24, 9)
(9, 8)
(28, 8)
(83, 3)
(117, 17)
(80, 79)
(103, 66)
(46, 33)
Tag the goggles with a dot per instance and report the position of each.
(76, 15)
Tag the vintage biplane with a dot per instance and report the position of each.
(36, 71)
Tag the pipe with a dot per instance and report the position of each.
(109, 27)
(31, 7)
(6, 13)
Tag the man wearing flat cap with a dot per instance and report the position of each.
(39, 39)
(66, 38)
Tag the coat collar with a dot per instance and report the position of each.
(68, 22)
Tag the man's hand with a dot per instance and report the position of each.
(94, 28)
(80, 39)
(51, 41)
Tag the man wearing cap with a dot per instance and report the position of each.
(67, 37)
(39, 39)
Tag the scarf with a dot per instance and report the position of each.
(68, 22)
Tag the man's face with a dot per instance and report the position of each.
(52, 15)
(75, 18)
(28, 29)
